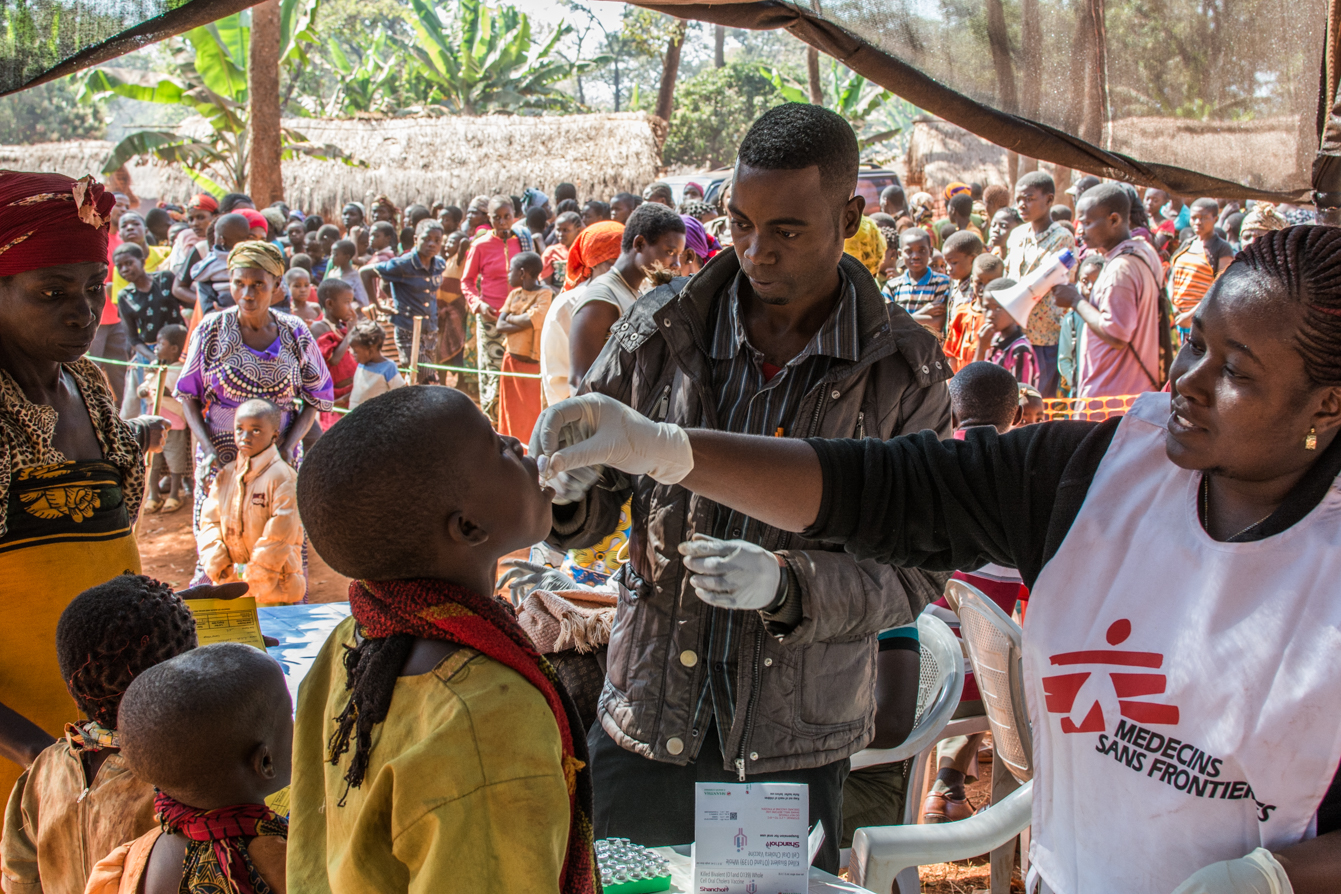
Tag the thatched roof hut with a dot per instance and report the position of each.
(940, 153)
(453, 159)
(417, 159)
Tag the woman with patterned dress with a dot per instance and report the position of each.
(245, 352)
(71, 472)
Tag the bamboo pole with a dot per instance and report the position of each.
(414, 350)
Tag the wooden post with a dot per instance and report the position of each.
(414, 350)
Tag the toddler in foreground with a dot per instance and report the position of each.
(435, 750)
(212, 730)
(249, 528)
(79, 799)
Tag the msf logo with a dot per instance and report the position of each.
(741, 839)
(1123, 669)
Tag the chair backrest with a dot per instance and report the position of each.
(939, 686)
(993, 642)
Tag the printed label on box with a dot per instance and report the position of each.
(751, 838)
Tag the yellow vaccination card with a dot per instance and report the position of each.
(227, 621)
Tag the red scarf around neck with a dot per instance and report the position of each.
(435, 609)
(223, 834)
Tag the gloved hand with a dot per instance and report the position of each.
(732, 574)
(594, 430)
(571, 486)
(1258, 873)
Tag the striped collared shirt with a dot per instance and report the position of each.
(748, 402)
(914, 295)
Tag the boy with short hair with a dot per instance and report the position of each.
(568, 226)
(299, 282)
(145, 304)
(342, 268)
(960, 251)
(204, 283)
(79, 799)
(520, 320)
(919, 290)
(212, 730)
(961, 338)
(1068, 343)
(333, 333)
(1028, 245)
(316, 249)
(1197, 264)
(1009, 346)
(249, 528)
(375, 374)
(413, 279)
(432, 680)
(174, 460)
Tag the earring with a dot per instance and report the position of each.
(1311, 439)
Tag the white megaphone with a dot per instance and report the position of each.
(1019, 299)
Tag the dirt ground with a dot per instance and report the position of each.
(168, 553)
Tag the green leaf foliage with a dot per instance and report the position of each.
(209, 75)
(713, 110)
(48, 113)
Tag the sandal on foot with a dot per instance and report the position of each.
(152, 505)
(171, 504)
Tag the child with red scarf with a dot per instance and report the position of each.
(435, 749)
(212, 731)
(80, 798)
(333, 332)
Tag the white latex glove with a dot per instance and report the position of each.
(569, 487)
(732, 574)
(595, 430)
(1257, 873)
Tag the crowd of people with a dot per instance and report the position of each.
(669, 361)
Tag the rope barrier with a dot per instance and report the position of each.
(405, 370)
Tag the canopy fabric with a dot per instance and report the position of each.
(1227, 98)
(48, 39)
(962, 62)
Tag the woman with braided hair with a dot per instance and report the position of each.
(79, 799)
(1184, 624)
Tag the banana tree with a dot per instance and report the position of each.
(847, 93)
(209, 76)
(477, 59)
(362, 86)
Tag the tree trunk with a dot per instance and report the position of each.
(1062, 177)
(813, 77)
(719, 46)
(1031, 49)
(999, 42)
(670, 69)
(265, 182)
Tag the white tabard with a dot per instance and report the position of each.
(1185, 694)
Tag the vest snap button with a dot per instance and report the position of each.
(674, 745)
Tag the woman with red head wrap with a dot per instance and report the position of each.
(71, 472)
(593, 253)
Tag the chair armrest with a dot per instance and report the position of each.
(879, 853)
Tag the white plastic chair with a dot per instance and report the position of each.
(880, 855)
(939, 687)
